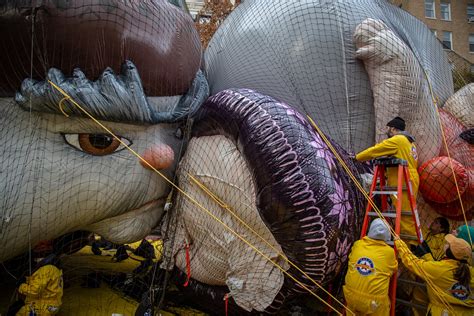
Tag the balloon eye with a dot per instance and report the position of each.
(96, 144)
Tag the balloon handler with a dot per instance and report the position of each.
(449, 281)
(399, 144)
(372, 262)
(43, 290)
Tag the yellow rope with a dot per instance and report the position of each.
(60, 105)
(445, 143)
(269, 259)
(392, 232)
(282, 255)
(223, 205)
(349, 172)
(190, 197)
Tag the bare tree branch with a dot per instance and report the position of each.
(211, 16)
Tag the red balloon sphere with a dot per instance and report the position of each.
(437, 182)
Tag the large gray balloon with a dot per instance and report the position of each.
(302, 53)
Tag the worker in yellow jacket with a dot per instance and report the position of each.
(399, 144)
(371, 264)
(43, 290)
(449, 282)
(431, 249)
(433, 246)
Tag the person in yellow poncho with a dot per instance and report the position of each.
(371, 264)
(450, 281)
(431, 249)
(434, 240)
(43, 290)
(399, 144)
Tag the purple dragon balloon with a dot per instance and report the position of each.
(290, 188)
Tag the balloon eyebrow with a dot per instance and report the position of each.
(112, 97)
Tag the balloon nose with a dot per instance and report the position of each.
(158, 156)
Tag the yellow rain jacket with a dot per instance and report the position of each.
(371, 264)
(398, 146)
(436, 244)
(43, 291)
(439, 277)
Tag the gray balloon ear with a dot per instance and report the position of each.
(188, 103)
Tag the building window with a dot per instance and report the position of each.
(470, 13)
(445, 11)
(430, 9)
(471, 43)
(447, 40)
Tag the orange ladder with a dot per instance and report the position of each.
(379, 187)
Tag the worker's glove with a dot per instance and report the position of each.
(168, 206)
(422, 250)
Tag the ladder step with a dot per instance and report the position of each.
(390, 188)
(391, 215)
(384, 192)
(407, 303)
(411, 282)
(390, 161)
(408, 237)
(389, 210)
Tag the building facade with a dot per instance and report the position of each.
(452, 21)
(194, 7)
